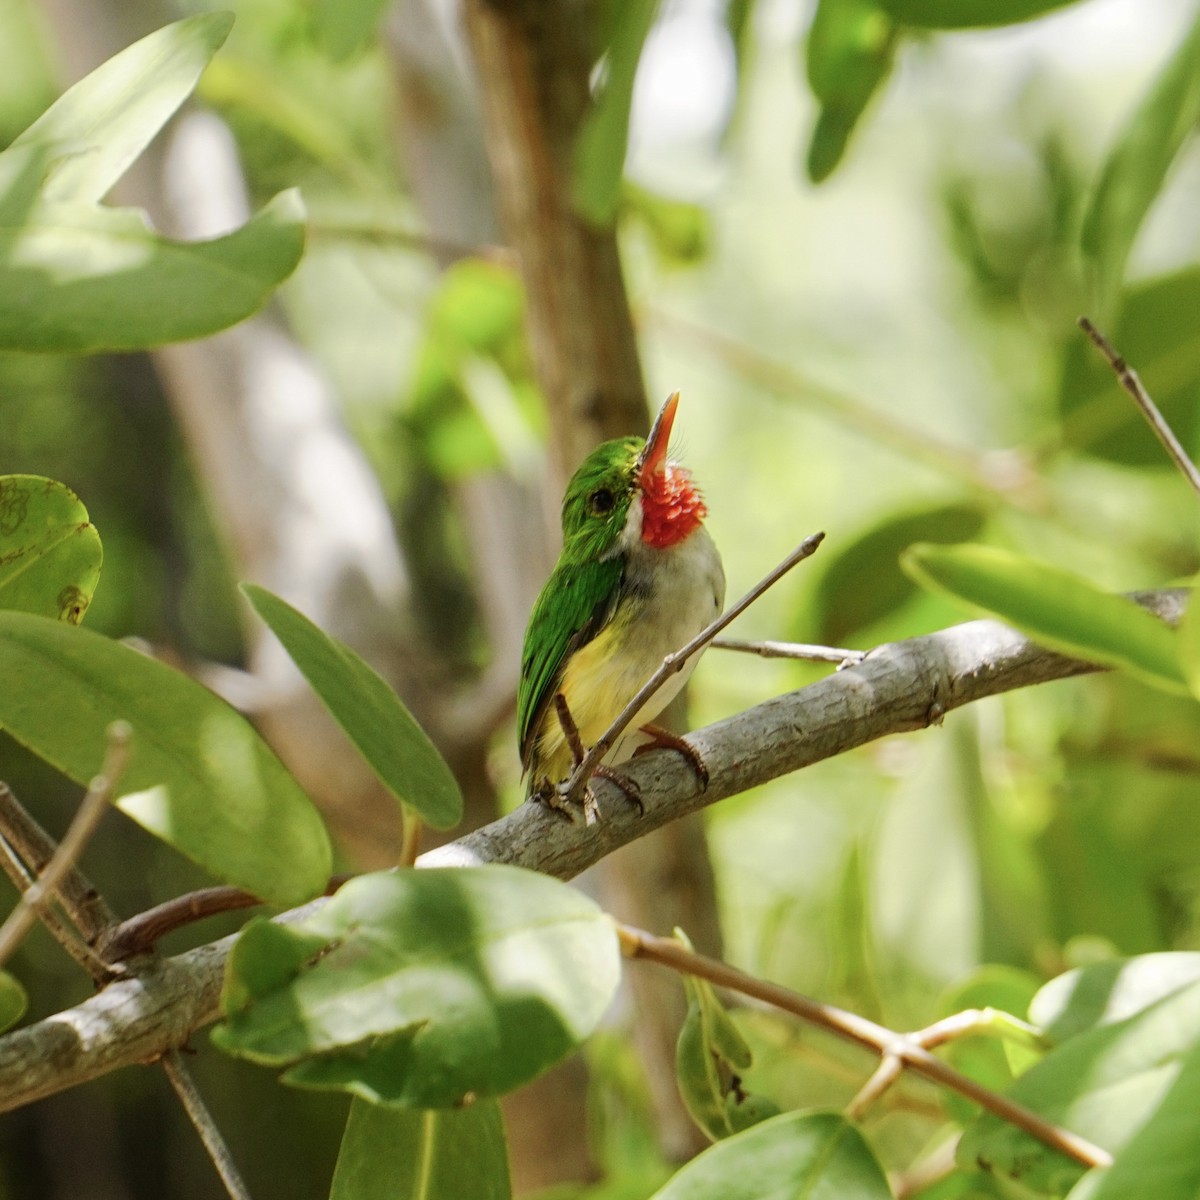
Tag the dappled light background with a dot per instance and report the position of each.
(890, 356)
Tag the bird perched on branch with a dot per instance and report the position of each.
(638, 578)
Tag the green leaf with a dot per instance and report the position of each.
(817, 1156)
(851, 44)
(98, 127)
(394, 1154)
(1189, 643)
(1155, 333)
(1059, 609)
(432, 986)
(372, 715)
(968, 14)
(77, 278)
(1103, 1085)
(599, 157)
(199, 776)
(50, 553)
(1104, 992)
(13, 1001)
(863, 583)
(1133, 175)
(343, 27)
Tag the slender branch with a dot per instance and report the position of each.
(798, 650)
(674, 662)
(891, 691)
(850, 1026)
(95, 804)
(193, 1104)
(1127, 377)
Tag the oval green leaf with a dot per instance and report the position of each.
(796, 1156)
(424, 988)
(50, 553)
(438, 1154)
(13, 1001)
(199, 776)
(97, 128)
(1103, 1084)
(1133, 175)
(77, 278)
(371, 714)
(1057, 608)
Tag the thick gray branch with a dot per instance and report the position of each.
(898, 688)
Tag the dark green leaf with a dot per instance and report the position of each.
(863, 582)
(97, 128)
(432, 985)
(1104, 992)
(968, 14)
(851, 44)
(395, 1154)
(50, 554)
(1133, 175)
(1059, 609)
(372, 715)
(814, 1156)
(13, 1001)
(1103, 1085)
(1155, 332)
(199, 776)
(599, 158)
(77, 278)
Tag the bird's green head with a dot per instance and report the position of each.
(627, 490)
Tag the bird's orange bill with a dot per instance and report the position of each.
(654, 454)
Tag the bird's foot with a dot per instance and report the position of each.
(624, 785)
(664, 739)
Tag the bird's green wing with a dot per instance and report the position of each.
(577, 602)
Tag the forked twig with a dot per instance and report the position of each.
(95, 804)
(1128, 379)
(884, 1042)
(674, 662)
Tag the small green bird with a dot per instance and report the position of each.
(638, 578)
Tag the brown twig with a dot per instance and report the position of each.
(193, 1104)
(95, 804)
(674, 662)
(798, 650)
(1127, 377)
(668, 952)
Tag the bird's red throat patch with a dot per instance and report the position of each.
(672, 506)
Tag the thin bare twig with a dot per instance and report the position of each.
(798, 650)
(1127, 377)
(674, 662)
(668, 952)
(197, 1111)
(95, 805)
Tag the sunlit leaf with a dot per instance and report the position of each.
(1104, 992)
(98, 127)
(1133, 175)
(77, 278)
(397, 749)
(599, 157)
(1103, 1084)
(50, 553)
(968, 14)
(437, 1154)
(863, 583)
(429, 987)
(849, 52)
(1057, 608)
(1189, 643)
(816, 1155)
(199, 776)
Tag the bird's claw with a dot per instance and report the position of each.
(664, 739)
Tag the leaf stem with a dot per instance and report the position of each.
(888, 1044)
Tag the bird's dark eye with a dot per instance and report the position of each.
(601, 501)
